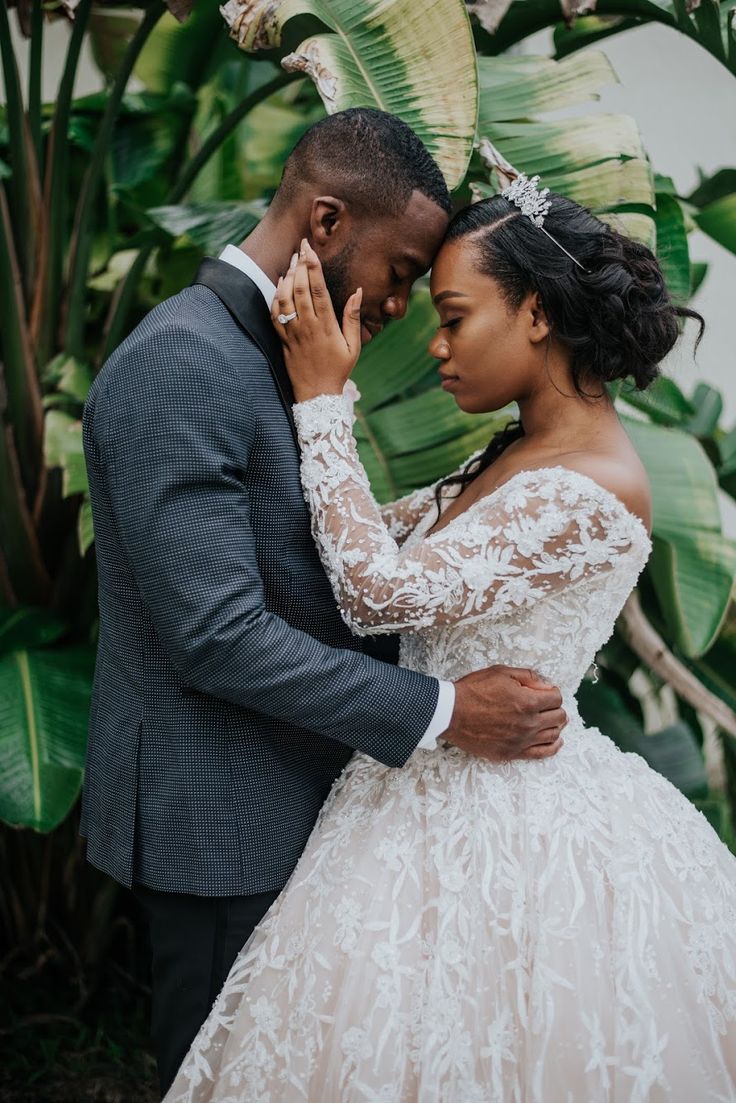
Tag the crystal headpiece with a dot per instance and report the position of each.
(525, 195)
(522, 192)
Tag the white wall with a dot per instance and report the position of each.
(56, 38)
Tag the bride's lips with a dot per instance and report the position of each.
(448, 380)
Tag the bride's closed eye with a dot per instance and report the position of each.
(450, 324)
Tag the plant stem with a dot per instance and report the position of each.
(18, 374)
(123, 297)
(6, 587)
(23, 217)
(646, 642)
(24, 569)
(82, 237)
(51, 259)
(34, 81)
(220, 133)
(121, 302)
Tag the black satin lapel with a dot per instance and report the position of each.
(248, 307)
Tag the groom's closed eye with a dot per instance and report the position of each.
(412, 267)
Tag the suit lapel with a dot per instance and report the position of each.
(246, 304)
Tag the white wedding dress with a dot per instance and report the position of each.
(558, 931)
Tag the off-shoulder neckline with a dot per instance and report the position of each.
(603, 493)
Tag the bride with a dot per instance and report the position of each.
(559, 931)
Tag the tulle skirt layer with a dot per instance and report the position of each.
(456, 932)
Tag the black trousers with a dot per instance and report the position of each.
(194, 942)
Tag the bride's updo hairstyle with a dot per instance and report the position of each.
(617, 319)
(614, 315)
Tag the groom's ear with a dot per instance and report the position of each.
(328, 224)
(539, 327)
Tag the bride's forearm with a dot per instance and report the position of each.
(349, 530)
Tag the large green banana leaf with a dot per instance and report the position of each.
(63, 448)
(718, 220)
(415, 60)
(598, 160)
(713, 207)
(521, 85)
(269, 133)
(44, 702)
(191, 52)
(673, 251)
(249, 164)
(209, 226)
(693, 565)
(716, 668)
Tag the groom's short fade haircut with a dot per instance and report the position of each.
(368, 158)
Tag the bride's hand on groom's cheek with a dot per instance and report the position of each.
(318, 352)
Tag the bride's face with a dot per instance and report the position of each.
(489, 353)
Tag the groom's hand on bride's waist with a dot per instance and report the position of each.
(504, 712)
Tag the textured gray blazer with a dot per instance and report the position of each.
(228, 693)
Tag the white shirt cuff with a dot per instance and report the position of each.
(440, 722)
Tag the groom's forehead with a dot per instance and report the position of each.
(419, 231)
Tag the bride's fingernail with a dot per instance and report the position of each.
(292, 262)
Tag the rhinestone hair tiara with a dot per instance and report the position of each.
(532, 202)
(523, 193)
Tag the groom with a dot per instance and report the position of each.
(228, 692)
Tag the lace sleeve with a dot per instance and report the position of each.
(402, 516)
(542, 531)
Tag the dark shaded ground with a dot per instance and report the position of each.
(74, 970)
(99, 1054)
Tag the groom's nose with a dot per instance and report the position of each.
(394, 307)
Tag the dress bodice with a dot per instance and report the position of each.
(560, 633)
(533, 574)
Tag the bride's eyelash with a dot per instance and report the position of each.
(450, 324)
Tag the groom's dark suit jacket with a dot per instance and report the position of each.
(228, 693)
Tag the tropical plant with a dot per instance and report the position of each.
(579, 23)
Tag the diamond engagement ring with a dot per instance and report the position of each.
(284, 318)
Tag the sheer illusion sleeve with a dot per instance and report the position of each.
(544, 530)
(402, 516)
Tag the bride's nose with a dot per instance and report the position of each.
(439, 348)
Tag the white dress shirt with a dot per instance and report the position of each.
(440, 722)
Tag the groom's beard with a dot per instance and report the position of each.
(338, 279)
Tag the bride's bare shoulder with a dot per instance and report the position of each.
(623, 475)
